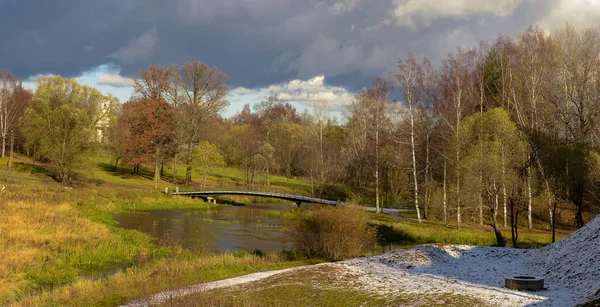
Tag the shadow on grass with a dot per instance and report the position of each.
(33, 169)
(125, 173)
(390, 235)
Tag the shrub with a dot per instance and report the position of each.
(332, 232)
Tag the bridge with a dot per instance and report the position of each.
(298, 199)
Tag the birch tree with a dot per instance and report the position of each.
(576, 98)
(8, 107)
(368, 118)
(457, 87)
(412, 81)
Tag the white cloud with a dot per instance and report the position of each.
(580, 13)
(423, 12)
(303, 92)
(114, 80)
(375, 27)
(139, 48)
(344, 6)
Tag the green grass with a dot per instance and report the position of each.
(408, 232)
(60, 246)
(165, 274)
(58, 243)
(101, 167)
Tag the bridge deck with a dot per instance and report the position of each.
(290, 197)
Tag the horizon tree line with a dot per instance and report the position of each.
(512, 122)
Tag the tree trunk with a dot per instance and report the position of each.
(175, 169)
(427, 183)
(550, 211)
(268, 179)
(117, 163)
(458, 217)
(156, 168)
(504, 190)
(554, 221)
(12, 149)
(188, 162)
(414, 164)
(444, 202)
(480, 209)
(499, 238)
(514, 227)
(377, 209)
(3, 145)
(529, 199)
(579, 206)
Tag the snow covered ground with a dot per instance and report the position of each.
(569, 267)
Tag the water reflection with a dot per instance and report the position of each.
(222, 229)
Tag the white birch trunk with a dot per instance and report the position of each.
(414, 164)
(444, 201)
(529, 199)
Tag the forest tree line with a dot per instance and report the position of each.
(506, 127)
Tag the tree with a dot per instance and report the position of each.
(416, 82)
(116, 135)
(150, 131)
(241, 144)
(154, 82)
(205, 158)
(505, 149)
(369, 115)
(288, 138)
(576, 99)
(458, 93)
(534, 56)
(266, 160)
(62, 120)
(8, 107)
(203, 94)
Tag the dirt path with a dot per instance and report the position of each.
(162, 297)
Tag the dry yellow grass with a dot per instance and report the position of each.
(35, 235)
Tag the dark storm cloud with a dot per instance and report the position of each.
(256, 43)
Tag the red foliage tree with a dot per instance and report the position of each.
(149, 125)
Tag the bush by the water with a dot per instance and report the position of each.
(332, 232)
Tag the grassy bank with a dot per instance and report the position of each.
(58, 245)
(408, 232)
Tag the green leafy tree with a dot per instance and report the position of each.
(62, 120)
(205, 158)
(493, 135)
(266, 160)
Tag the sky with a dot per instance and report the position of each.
(299, 50)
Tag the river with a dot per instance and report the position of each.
(223, 229)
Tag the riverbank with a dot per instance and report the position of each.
(60, 246)
(425, 275)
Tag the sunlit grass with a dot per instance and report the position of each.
(408, 232)
(165, 274)
(56, 241)
(100, 166)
